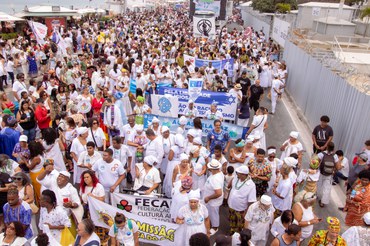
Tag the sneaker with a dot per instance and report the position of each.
(213, 231)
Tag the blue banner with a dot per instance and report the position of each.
(195, 88)
(220, 65)
(133, 85)
(226, 103)
(234, 131)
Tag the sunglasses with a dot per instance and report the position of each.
(17, 179)
(95, 123)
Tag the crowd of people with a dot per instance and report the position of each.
(72, 129)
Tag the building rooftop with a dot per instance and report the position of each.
(324, 5)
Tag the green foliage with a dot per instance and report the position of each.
(269, 6)
(105, 18)
(365, 12)
(282, 8)
(7, 36)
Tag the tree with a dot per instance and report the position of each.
(269, 6)
(282, 8)
(365, 12)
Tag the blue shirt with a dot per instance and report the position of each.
(217, 138)
(21, 213)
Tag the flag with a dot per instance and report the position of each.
(165, 105)
(39, 30)
(195, 88)
(150, 230)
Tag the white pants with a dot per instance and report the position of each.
(274, 99)
(214, 215)
(324, 188)
(259, 242)
(243, 122)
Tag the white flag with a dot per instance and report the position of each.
(39, 30)
(195, 88)
(165, 105)
(150, 230)
(204, 27)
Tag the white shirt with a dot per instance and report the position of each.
(259, 221)
(108, 172)
(127, 131)
(50, 180)
(67, 192)
(98, 191)
(98, 135)
(84, 158)
(345, 166)
(121, 154)
(19, 87)
(56, 217)
(276, 84)
(214, 182)
(155, 148)
(241, 194)
(147, 179)
(283, 189)
(124, 235)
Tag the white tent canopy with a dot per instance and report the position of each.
(91, 11)
(6, 17)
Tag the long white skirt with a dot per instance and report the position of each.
(167, 182)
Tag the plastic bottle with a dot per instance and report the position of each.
(353, 194)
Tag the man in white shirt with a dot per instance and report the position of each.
(343, 171)
(48, 177)
(154, 147)
(276, 87)
(88, 158)
(121, 153)
(128, 129)
(242, 194)
(19, 86)
(111, 173)
(213, 194)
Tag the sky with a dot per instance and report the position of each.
(7, 6)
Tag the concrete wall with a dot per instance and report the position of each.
(323, 28)
(257, 21)
(305, 16)
(362, 29)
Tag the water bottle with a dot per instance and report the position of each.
(353, 194)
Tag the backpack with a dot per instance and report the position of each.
(327, 164)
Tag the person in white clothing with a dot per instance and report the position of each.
(128, 129)
(276, 92)
(358, 235)
(258, 219)
(48, 177)
(88, 158)
(242, 194)
(292, 146)
(343, 171)
(191, 111)
(97, 135)
(124, 231)
(154, 147)
(282, 222)
(122, 153)
(112, 119)
(213, 194)
(280, 194)
(147, 176)
(110, 172)
(258, 126)
(19, 86)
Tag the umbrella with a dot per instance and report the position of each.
(6, 17)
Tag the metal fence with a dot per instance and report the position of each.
(319, 91)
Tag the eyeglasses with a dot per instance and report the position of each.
(17, 179)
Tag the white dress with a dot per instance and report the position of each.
(57, 217)
(179, 200)
(77, 148)
(259, 123)
(53, 152)
(290, 149)
(126, 103)
(167, 183)
(193, 222)
(198, 181)
(167, 144)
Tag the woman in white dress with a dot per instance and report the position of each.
(13, 235)
(265, 76)
(292, 145)
(156, 127)
(180, 196)
(97, 135)
(191, 134)
(174, 158)
(114, 74)
(53, 148)
(193, 217)
(198, 164)
(275, 167)
(168, 141)
(124, 89)
(258, 126)
(78, 146)
(237, 154)
(52, 215)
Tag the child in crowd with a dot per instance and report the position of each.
(228, 179)
(307, 179)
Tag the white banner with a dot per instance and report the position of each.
(195, 88)
(39, 30)
(213, 6)
(150, 230)
(150, 207)
(165, 105)
(280, 31)
(204, 27)
(62, 45)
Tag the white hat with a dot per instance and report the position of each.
(366, 218)
(194, 149)
(139, 128)
(23, 138)
(266, 200)
(214, 164)
(179, 140)
(290, 161)
(183, 120)
(242, 170)
(183, 157)
(192, 132)
(249, 139)
(82, 130)
(165, 129)
(194, 195)
(155, 120)
(190, 101)
(294, 134)
(150, 160)
(197, 141)
(65, 173)
(271, 151)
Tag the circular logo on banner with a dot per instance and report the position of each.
(84, 106)
(164, 105)
(204, 26)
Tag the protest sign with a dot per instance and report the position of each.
(226, 103)
(220, 65)
(149, 207)
(195, 88)
(150, 230)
